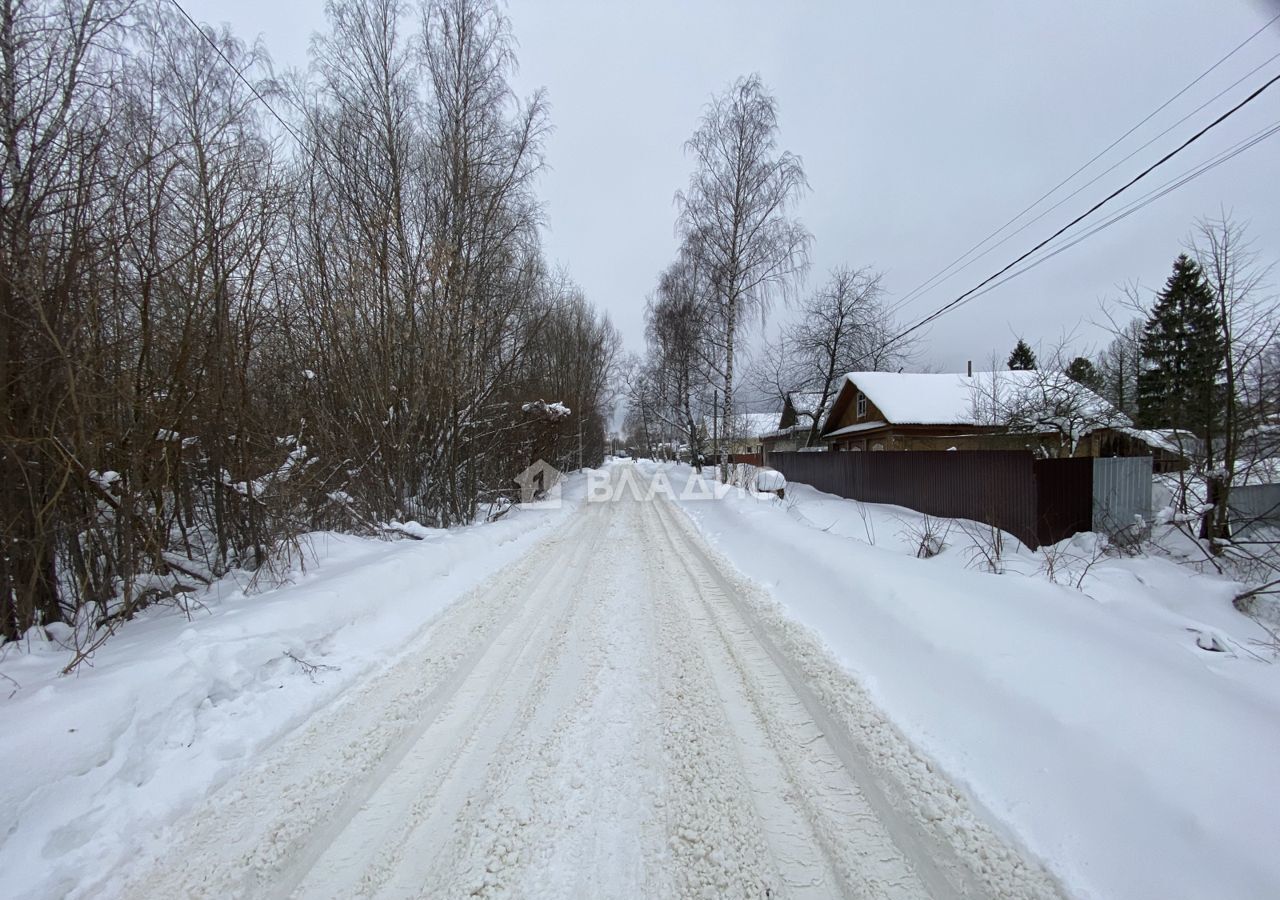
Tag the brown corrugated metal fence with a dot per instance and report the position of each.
(1064, 498)
(1037, 501)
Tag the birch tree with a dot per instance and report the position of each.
(214, 338)
(677, 330)
(736, 214)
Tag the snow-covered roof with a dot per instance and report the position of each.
(744, 424)
(928, 399)
(806, 403)
(1171, 440)
(958, 399)
(854, 429)
(798, 428)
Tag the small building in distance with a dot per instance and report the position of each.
(744, 433)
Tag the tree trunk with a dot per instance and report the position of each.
(727, 412)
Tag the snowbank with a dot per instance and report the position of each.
(770, 480)
(1090, 723)
(96, 763)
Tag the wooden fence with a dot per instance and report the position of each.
(1038, 501)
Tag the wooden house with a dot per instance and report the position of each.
(1045, 412)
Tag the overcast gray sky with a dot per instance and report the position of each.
(923, 127)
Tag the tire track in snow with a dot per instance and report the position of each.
(824, 840)
(616, 715)
(260, 832)
(569, 805)
(392, 842)
(931, 823)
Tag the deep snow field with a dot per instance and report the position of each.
(1085, 718)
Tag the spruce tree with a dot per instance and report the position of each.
(1182, 355)
(1022, 359)
(1081, 370)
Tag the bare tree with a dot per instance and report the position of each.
(842, 327)
(1118, 365)
(736, 213)
(1250, 321)
(678, 329)
(1045, 403)
(54, 124)
(213, 340)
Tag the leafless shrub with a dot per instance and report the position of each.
(1052, 562)
(868, 524)
(928, 535)
(1097, 551)
(986, 548)
(1125, 539)
(1268, 647)
(743, 475)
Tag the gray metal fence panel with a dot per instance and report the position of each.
(1121, 492)
(1254, 508)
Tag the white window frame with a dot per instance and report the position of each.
(862, 405)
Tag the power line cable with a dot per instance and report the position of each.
(951, 304)
(1147, 199)
(309, 148)
(934, 278)
(1107, 171)
(240, 75)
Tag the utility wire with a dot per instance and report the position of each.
(1147, 199)
(934, 278)
(1107, 171)
(240, 75)
(946, 307)
(309, 148)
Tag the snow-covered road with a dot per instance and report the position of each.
(617, 715)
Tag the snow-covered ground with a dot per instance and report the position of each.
(97, 764)
(613, 715)
(606, 719)
(1091, 722)
(762, 697)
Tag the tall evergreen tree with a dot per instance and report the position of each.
(1022, 358)
(1082, 371)
(1182, 355)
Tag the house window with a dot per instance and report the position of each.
(862, 405)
